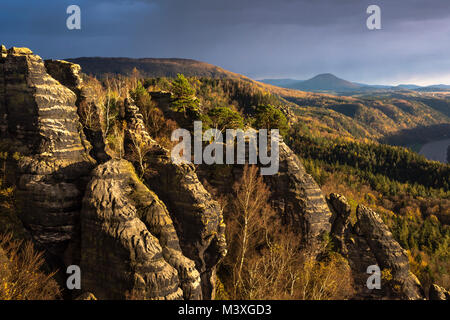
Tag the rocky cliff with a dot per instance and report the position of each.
(155, 233)
(88, 210)
(369, 242)
(197, 216)
(299, 200)
(295, 196)
(39, 123)
(128, 242)
(389, 254)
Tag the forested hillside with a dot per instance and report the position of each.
(337, 142)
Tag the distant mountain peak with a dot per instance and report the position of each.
(327, 82)
(320, 82)
(326, 76)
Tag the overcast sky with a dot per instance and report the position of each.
(258, 38)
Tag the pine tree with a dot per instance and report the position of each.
(184, 97)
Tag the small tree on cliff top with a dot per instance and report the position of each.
(225, 118)
(269, 117)
(185, 100)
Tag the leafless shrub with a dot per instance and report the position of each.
(21, 277)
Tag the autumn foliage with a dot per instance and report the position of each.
(265, 259)
(21, 275)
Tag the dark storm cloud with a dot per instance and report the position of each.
(264, 38)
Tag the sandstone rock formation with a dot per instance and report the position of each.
(69, 75)
(353, 247)
(370, 242)
(159, 237)
(341, 210)
(128, 242)
(52, 166)
(39, 122)
(196, 215)
(295, 195)
(299, 200)
(438, 293)
(389, 254)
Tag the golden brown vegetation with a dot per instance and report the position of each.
(21, 277)
(413, 221)
(265, 259)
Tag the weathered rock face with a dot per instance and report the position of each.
(341, 210)
(353, 247)
(69, 75)
(389, 254)
(196, 215)
(438, 293)
(39, 120)
(295, 195)
(299, 200)
(370, 242)
(128, 242)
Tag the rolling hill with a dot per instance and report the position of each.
(361, 113)
(153, 67)
(283, 83)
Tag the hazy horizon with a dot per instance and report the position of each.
(370, 84)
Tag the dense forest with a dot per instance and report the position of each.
(411, 192)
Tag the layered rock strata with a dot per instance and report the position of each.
(389, 254)
(196, 215)
(129, 247)
(369, 242)
(40, 125)
(299, 200)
